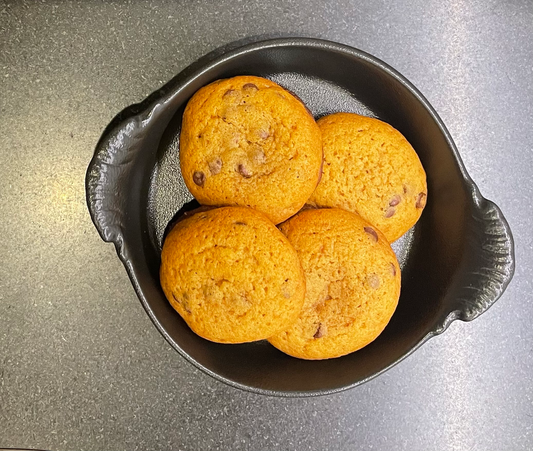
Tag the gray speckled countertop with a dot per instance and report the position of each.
(82, 366)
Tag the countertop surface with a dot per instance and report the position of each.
(81, 364)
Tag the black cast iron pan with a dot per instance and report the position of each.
(456, 262)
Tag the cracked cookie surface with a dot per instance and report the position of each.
(232, 275)
(370, 169)
(352, 284)
(247, 141)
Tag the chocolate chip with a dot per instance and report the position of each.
(250, 86)
(321, 331)
(229, 93)
(259, 156)
(395, 200)
(421, 200)
(200, 211)
(393, 269)
(183, 302)
(234, 140)
(241, 300)
(187, 214)
(390, 212)
(241, 169)
(405, 188)
(372, 233)
(199, 178)
(373, 281)
(240, 223)
(215, 166)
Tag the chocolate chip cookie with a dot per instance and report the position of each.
(352, 284)
(371, 169)
(247, 141)
(232, 275)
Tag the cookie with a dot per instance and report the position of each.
(232, 275)
(371, 169)
(247, 141)
(352, 279)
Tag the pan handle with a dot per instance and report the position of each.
(112, 177)
(488, 264)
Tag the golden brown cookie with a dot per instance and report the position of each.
(371, 169)
(352, 279)
(247, 141)
(232, 275)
